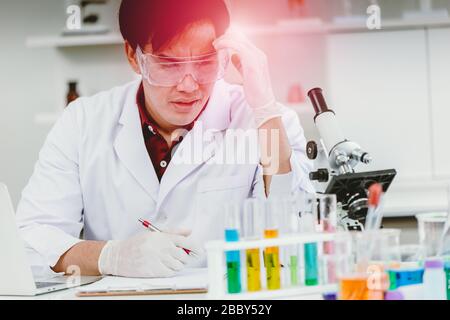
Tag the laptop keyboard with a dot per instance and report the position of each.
(40, 285)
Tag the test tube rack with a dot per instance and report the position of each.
(216, 250)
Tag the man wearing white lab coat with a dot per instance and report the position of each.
(97, 171)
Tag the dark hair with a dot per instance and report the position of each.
(159, 21)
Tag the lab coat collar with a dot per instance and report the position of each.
(130, 146)
(131, 150)
(215, 118)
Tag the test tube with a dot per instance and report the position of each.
(328, 223)
(292, 226)
(352, 282)
(232, 225)
(272, 254)
(307, 225)
(327, 212)
(252, 230)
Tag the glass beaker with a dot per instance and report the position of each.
(431, 228)
(412, 253)
(409, 269)
(361, 260)
(352, 280)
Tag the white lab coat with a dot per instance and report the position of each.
(94, 173)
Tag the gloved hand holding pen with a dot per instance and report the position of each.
(147, 255)
(252, 64)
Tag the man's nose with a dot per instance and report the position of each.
(188, 84)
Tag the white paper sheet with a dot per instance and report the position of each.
(195, 278)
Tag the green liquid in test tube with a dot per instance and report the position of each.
(233, 263)
(307, 225)
(447, 274)
(233, 259)
(311, 267)
(292, 226)
(294, 267)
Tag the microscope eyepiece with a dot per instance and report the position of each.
(318, 100)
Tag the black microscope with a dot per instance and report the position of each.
(350, 187)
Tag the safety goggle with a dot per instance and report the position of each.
(170, 71)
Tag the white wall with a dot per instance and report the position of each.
(34, 81)
(379, 90)
(439, 52)
(26, 85)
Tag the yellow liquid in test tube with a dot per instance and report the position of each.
(253, 270)
(272, 262)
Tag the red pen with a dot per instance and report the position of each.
(151, 227)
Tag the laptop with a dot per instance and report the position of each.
(16, 277)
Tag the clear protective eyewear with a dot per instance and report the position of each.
(170, 71)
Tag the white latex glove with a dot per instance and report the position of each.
(147, 255)
(252, 64)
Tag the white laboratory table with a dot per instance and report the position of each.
(70, 294)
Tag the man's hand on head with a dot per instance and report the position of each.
(252, 64)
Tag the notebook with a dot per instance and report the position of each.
(193, 280)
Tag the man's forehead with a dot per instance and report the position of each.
(195, 40)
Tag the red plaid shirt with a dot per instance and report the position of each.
(158, 150)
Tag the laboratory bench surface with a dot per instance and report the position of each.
(70, 294)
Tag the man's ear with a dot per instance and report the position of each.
(131, 56)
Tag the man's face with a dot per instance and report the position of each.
(181, 104)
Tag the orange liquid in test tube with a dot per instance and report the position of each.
(270, 234)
